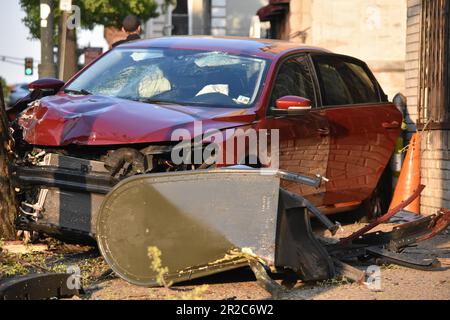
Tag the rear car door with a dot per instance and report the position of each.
(304, 140)
(364, 127)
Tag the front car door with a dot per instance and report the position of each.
(364, 127)
(304, 140)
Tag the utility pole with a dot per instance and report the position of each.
(62, 47)
(47, 67)
(65, 6)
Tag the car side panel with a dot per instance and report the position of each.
(362, 142)
(303, 148)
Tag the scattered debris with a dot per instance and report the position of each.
(17, 247)
(404, 216)
(384, 218)
(346, 271)
(271, 225)
(387, 247)
(444, 261)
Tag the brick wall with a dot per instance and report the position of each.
(435, 171)
(412, 61)
(435, 144)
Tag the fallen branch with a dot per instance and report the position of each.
(346, 271)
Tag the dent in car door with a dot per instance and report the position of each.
(304, 139)
(363, 128)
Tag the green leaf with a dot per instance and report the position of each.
(93, 12)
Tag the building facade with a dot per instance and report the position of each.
(372, 30)
(428, 93)
(407, 45)
(205, 17)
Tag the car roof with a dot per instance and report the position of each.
(265, 48)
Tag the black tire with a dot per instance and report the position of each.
(378, 203)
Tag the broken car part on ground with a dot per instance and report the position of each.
(200, 234)
(268, 230)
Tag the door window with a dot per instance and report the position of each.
(293, 79)
(344, 82)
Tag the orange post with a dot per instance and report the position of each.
(409, 179)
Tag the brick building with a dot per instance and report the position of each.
(371, 30)
(427, 82)
(374, 30)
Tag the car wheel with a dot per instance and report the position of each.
(378, 203)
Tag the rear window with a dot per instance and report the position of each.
(345, 82)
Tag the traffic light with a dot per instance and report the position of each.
(28, 66)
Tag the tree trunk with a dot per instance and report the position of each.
(7, 194)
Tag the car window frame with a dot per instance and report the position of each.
(382, 98)
(318, 100)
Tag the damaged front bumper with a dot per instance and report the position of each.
(61, 196)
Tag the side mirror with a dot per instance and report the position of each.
(292, 105)
(46, 84)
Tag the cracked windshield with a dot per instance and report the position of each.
(174, 76)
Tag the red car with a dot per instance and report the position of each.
(115, 118)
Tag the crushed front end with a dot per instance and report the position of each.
(60, 190)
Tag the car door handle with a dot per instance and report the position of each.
(323, 131)
(391, 125)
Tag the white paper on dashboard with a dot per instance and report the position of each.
(214, 88)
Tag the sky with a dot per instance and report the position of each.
(15, 42)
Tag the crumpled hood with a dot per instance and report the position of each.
(97, 120)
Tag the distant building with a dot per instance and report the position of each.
(205, 17)
(409, 55)
(372, 30)
(200, 17)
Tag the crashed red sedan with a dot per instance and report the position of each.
(115, 119)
